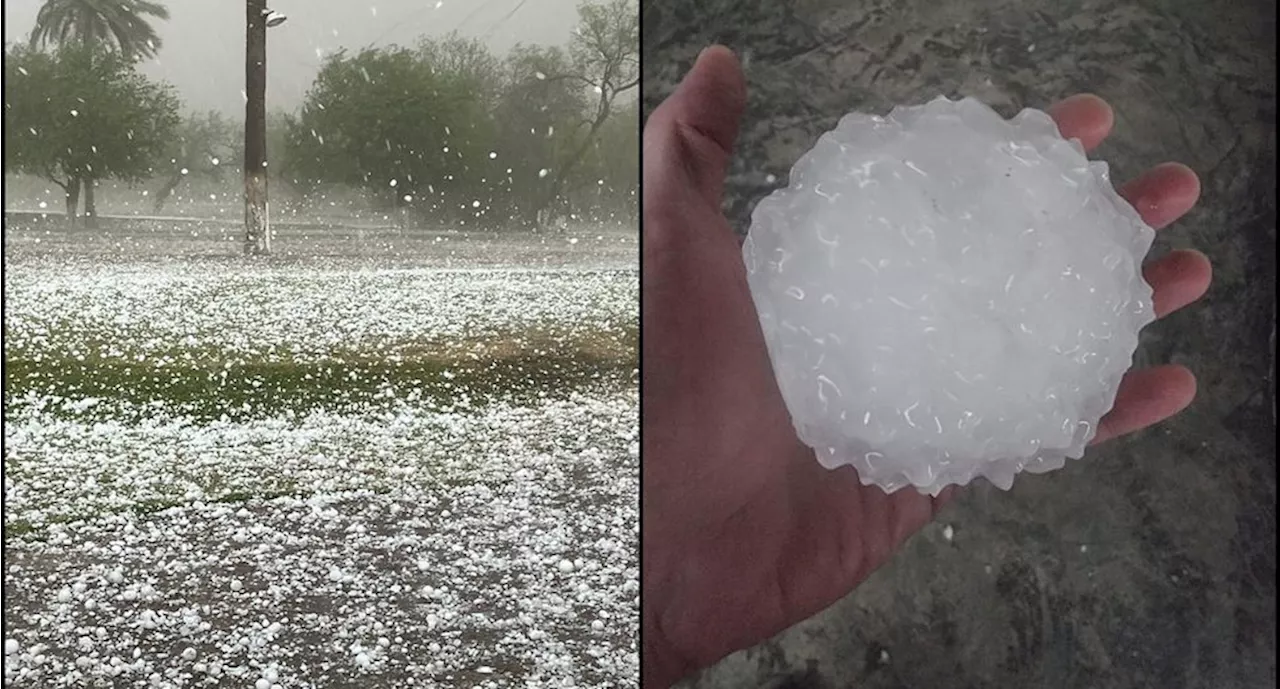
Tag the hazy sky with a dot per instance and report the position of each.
(203, 51)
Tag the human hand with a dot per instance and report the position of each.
(744, 532)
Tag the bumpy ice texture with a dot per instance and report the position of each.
(948, 294)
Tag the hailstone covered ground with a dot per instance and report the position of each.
(324, 472)
(948, 294)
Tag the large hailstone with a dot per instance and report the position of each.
(948, 294)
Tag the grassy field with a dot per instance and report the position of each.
(320, 471)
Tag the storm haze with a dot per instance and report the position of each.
(203, 40)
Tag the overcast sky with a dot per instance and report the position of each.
(203, 51)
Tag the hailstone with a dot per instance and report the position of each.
(946, 294)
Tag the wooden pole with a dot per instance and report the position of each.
(257, 233)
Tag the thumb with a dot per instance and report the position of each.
(688, 140)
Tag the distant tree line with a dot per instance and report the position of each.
(80, 114)
(444, 130)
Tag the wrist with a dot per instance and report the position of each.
(660, 664)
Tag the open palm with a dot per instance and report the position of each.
(744, 533)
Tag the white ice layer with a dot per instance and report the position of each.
(948, 294)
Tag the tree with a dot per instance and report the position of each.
(608, 178)
(468, 60)
(605, 52)
(92, 24)
(447, 130)
(537, 115)
(204, 145)
(117, 24)
(82, 114)
(413, 133)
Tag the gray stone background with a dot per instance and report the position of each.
(1152, 562)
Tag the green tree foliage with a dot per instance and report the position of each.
(82, 114)
(538, 117)
(468, 60)
(117, 24)
(399, 126)
(606, 60)
(469, 138)
(207, 145)
(608, 183)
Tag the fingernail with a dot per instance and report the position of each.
(714, 47)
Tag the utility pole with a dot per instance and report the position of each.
(257, 233)
(256, 237)
(257, 230)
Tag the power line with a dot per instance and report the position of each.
(474, 12)
(413, 16)
(408, 17)
(500, 22)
